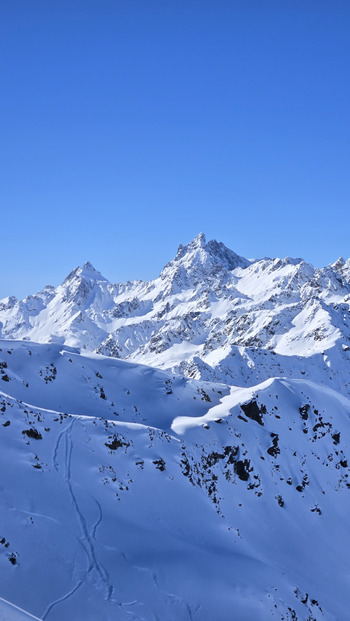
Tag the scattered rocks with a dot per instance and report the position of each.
(274, 449)
(116, 443)
(32, 433)
(159, 464)
(254, 412)
(241, 468)
(304, 411)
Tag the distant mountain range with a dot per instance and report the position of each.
(211, 314)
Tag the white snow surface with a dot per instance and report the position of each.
(178, 449)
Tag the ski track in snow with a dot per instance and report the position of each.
(87, 537)
(60, 600)
(168, 597)
(98, 521)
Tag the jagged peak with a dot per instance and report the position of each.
(86, 271)
(197, 242)
(8, 302)
(338, 264)
(88, 266)
(212, 252)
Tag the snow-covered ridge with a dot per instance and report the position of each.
(210, 314)
(130, 492)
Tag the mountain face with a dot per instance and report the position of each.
(211, 315)
(178, 449)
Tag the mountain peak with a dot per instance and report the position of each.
(199, 240)
(198, 259)
(86, 271)
(88, 266)
(339, 263)
(213, 251)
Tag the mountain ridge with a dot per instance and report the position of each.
(207, 299)
(132, 492)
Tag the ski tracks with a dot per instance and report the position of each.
(87, 538)
(167, 597)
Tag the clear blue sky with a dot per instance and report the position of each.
(128, 126)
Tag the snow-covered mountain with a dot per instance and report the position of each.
(128, 492)
(211, 314)
(178, 449)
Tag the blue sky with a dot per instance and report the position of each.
(128, 126)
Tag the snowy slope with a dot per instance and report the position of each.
(10, 612)
(178, 449)
(211, 314)
(193, 501)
